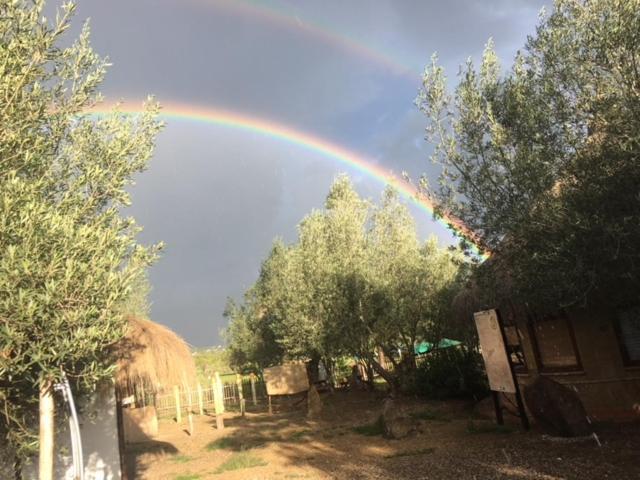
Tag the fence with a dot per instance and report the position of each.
(201, 399)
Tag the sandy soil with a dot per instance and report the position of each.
(445, 447)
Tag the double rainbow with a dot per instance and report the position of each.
(284, 133)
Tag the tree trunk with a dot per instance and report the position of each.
(312, 369)
(389, 378)
(46, 431)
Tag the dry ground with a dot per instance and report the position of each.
(449, 445)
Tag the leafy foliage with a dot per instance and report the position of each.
(542, 162)
(452, 373)
(68, 259)
(357, 280)
(137, 303)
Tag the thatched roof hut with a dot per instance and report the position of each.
(154, 356)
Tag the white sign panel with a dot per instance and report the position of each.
(494, 352)
(286, 379)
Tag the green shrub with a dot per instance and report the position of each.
(452, 373)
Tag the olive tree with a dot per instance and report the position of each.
(68, 257)
(541, 161)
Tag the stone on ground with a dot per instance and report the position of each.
(556, 408)
(395, 425)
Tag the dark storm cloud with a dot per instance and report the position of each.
(216, 196)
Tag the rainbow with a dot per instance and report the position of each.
(323, 33)
(284, 133)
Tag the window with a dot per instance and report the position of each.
(628, 327)
(554, 343)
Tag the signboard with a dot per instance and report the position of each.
(286, 379)
(494, 352)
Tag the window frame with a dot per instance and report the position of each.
(561, 315)
(626, 359)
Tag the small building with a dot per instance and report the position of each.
(150, 357)
(594, 351)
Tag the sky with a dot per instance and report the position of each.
(344, 72)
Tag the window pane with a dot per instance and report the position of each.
(630, 333)
(555, 346)
(514, 347)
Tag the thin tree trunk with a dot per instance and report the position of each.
(389, 378)
(45, 471)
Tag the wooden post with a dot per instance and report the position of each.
(521, 411)
(190, 424)
(239, 385)
(253, 389)
(200, 403)
(219, 402)
(219, 394)
(190, 411)
(498, 407)
(46, 431)
(213, 391)
(270, 409)
(176, 393)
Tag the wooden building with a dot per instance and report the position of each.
(594, 351)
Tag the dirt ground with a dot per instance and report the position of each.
(344, 443)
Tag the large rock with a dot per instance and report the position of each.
(395, 425)
(314, 404)
(557, 408)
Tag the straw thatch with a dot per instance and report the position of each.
(153, 356)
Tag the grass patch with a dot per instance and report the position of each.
(296, 436)
(236, 444)
(372, 429)
(486, 427)
(188, 476)
(181, 458)
(410, 453)
(430, 415)
(239, 461)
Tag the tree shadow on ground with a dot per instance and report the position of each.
(133, 466)
(447, 445)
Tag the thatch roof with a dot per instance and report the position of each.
(152, 355)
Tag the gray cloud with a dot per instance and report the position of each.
(218, 196)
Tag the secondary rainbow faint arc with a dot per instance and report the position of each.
(268, 128)
(272, 14)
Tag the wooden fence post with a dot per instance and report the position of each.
(213, 391)
(219, 402)
(200, 404)
(253, 389)
(240, 393)
(47, 426)
(190, 411)
(176, 394)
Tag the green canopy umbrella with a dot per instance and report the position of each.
(426, 347)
